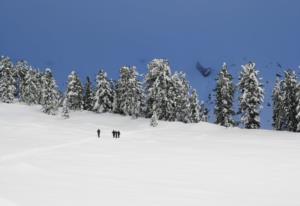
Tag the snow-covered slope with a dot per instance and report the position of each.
(46, 160)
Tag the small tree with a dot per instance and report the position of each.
(195, 107)
(65, 109)
(154, 120)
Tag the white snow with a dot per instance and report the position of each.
(49, 161)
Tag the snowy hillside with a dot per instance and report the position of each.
(46, 160)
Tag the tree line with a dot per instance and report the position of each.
(159, 95)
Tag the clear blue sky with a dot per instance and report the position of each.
(88, 34)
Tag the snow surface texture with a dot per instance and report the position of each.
(47, 160)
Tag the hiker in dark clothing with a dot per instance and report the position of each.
(118, 134)
(98, 132)
(114, 133)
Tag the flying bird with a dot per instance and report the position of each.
(205, 71)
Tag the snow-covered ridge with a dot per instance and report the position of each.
(49, 160)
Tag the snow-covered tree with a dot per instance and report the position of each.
(154, 120)
(298, 108)
(178, 104)
(21, 69)
(195, 108)
(278, 105)
(74, 92)
(129, 93)
(158, 81)
(31, 89)
(103, 98)
(88, 98)
(203, 112)
(224, 94)
(65, 109)
(290, 101)
(252, 96)
(7, 80)
(49, 93)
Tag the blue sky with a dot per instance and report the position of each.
(92, 34)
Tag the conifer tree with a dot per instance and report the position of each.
(278, 105)
(129, 93)
(224, 94)
(251, 98)
(88, 98)
(290, 101)
(74, 92)
(7, 80)
(203, 112)
(31, 88)
(104, 96)
(158, 81)
(178, 107)
(49, 93)
(154, 120)
(21, 69)
(195, 109)
(65, 109)
(298, 108)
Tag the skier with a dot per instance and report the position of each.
(114, 133)
(98, 132)
(118, 134)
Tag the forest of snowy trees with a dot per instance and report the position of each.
(159, 95)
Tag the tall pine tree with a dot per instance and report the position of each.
(158, 82)
(290, 101)
(88, 98)
(278, 105)
(49, 93)
(129, 93)
(7, 81)
(74, 92)
(195, 108)
(224, 94)
(103, 98)
(252, 96)
(31, 89)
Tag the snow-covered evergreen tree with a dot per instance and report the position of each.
(203, 112)
(88, 98)
(195, 108)
(21, 69)
(31, 89)
(178, 104)
(49, 93)
(129, 93)
(154, 120)
(224, 94)
(290, 101)
(103, 98)
(65, 109)
(74, 92)
(252, 96)
(278, 105)
(7, 80)
(158, 82)
(298, 108)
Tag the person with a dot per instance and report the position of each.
(118, 134)
(98, 132)
(114, 133)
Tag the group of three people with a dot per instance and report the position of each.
(116, 134)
